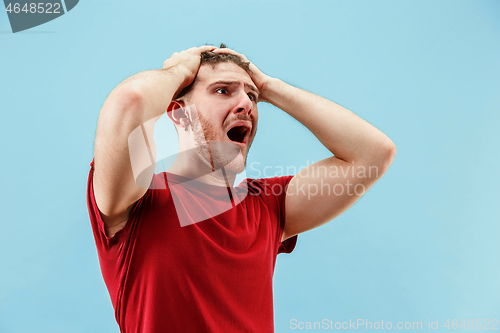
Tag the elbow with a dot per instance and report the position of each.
(122, 112)
(390, 151)
(129, 97)
(381, 156)
(126, 103)
(387, 155)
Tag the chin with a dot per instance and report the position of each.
(236, 166)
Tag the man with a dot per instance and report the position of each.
(185, 251)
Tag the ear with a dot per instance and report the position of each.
(177, 113)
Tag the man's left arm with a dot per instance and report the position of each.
(326, 189)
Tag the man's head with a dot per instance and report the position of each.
(213, 59)
(225, 111)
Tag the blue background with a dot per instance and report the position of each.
(421, 245)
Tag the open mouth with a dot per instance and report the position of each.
(239, 132)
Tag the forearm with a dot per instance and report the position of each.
(152, 89)
(346, 135)
(133, 107)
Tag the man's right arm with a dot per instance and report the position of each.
(130, 105)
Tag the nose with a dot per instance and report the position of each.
(244, 105)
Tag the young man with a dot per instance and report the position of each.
(185, 251)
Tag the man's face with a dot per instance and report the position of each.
(226, 102)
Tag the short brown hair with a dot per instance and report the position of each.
(211, 58)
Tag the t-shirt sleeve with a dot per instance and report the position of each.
(277, 188)
(113, 247)
(107, 247)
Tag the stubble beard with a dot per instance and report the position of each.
(215, 153)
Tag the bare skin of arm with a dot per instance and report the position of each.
(356, 145)
(353, 142)
(131, 104)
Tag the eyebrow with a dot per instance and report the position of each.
(233, 82)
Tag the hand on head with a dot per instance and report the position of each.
(260, 79)
(186, 63)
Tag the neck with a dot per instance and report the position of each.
(191, 166)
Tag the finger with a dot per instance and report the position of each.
(229, 51)
(226, 50)
(206, 48)
(200, 49)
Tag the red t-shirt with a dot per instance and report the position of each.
(166, 273)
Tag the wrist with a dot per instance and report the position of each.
(179, 75)
(269, 89)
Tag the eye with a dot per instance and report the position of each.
(222, 91)
(252, 97)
